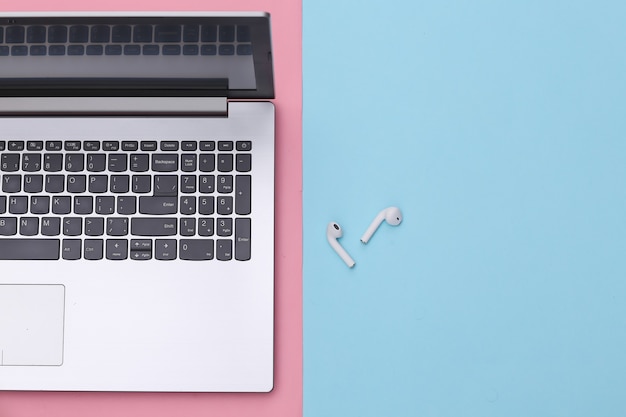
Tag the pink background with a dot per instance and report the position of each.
(286, 398)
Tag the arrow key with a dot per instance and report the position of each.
(141, 244)
(140, 255)
(165, 249)
(117, 249)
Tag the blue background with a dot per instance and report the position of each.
(499, 128)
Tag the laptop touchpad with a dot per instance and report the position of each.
(31, 324)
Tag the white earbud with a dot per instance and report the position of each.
(334, 232)
(391, 215)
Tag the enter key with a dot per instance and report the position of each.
(242, 239)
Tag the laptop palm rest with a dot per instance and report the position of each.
(31, 324)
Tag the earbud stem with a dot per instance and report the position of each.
(341, 252)
(372, 227)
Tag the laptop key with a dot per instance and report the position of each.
(121, 33)
(116, 249)
(209, 33)
(206, 205)
(207, 162)
(165, 249)
(165, 185)
(242, 239)
(56, 50)
(93, 249)
(187, 205)
(225, 162)
(113, 50)
(151, 49)
(29, 249)
(96, 162)
(16, 145)
(98, 183)
(71, 249)
(57, 34)
(117, 226)
(8, 226)
(167, 33)
(54, 145)
(224, 226)
(83, 204)
(227, 33)
(79, 34)
(61, 205)
(188, 184)
(92, 145)
(224, 205)
(132, 50)
(76, 50)
(53, 162)
(244, 162)
(11, 183)
(142, 33)
(153, 226)
(118, 162)
(224, 249)
(38, 50)
(19, 50)
(10, 162)
(31, 162)
(187, 227)
(164, 162)
(14, 34)
(105, 205)
(127, 205)
(205, 226)
(100, 33)
(191, 33)
(29, 226)
(190, 50)
(50, 226)
(224, 184)
(72, 226)
(243, 192)
(94, 226)
(158, 205)
(36, 34)
(74, 162)
(76, 183)
(171, 49)
(40, 204)
(34, 145)
(18, 204)
(142, 184)
(95, 50)
(196, 249)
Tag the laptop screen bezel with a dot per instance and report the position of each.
(258, 22)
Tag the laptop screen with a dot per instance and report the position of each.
(227, 54)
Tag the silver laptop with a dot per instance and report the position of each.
(136, 202)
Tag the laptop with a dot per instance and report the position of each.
(136, 202)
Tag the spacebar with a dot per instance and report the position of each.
(29, 249)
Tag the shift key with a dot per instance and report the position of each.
(153, 226)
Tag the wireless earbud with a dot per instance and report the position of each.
(391, 215)
(334, 232)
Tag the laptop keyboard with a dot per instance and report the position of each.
(143, 39)
(125, 200)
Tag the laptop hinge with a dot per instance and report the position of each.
(110, 106)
